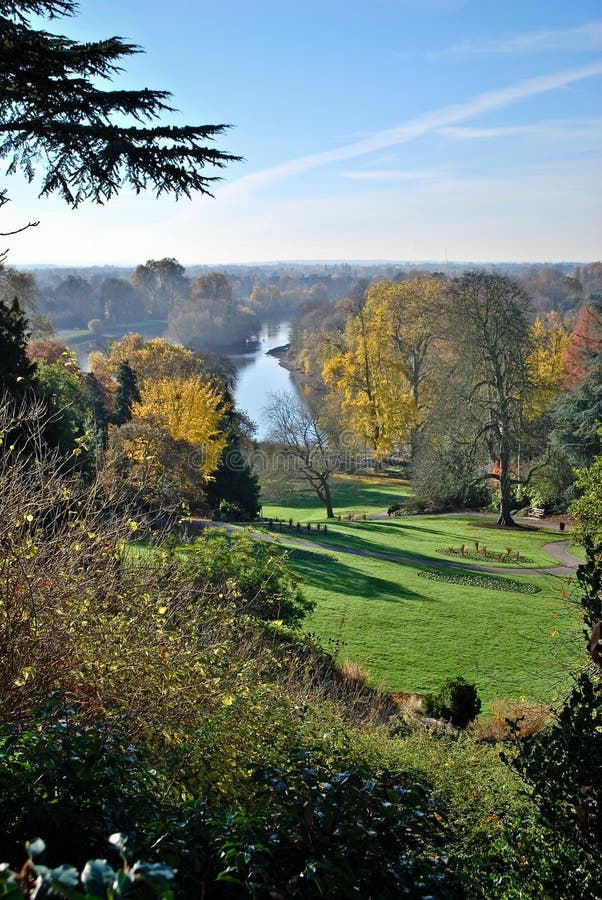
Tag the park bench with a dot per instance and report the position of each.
(536, 513)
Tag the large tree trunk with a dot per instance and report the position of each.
(505, 518)
(327, 500)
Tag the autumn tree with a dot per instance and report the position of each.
(548, 340)
(149, 360)
(173, 442)
(189, 409)
(584, 342)
(370, 382)
(488, 318)
(411, 313)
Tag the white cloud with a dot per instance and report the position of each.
(581, 38)
(556, 129)
(410, 130)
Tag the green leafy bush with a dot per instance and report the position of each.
(252, 574)
(98, 880)
(72, 782)
(456, 702)
(314, 832)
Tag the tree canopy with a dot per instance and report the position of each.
(59, 118)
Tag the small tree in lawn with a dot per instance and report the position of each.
(305, 443)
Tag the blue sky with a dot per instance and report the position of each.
(371, 129)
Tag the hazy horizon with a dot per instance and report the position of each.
(394, 130)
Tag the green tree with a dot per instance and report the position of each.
(234, 481)
(58, 117)
(99, 413)
(127, 393)
(563, 768)
(60, 386)
(160, 282)
(16, 369)
(587, 509)
(575, 418)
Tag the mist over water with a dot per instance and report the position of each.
(260, 374)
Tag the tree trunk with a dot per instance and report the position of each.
(505, 517)
(327, 500)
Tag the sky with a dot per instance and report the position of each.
(467, 130)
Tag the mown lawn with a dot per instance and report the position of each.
(411, 633)
(351, 494)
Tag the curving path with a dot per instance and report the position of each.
(557, 549)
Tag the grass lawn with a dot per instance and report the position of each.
(411, 633)
(351, 494)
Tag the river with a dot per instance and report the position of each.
(260, 374)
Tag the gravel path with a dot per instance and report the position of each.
(556, 549)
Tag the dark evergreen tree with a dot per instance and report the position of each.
(16, 369)
(127, 393)
(88, 142)
(100, 416)
(577, 414)
(234, 481)
(576, 418)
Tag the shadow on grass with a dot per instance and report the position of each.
(324, 571)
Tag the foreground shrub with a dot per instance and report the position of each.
(315, 832)
(74, 783)
(456, 702)
(98, 880)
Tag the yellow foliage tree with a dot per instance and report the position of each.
(548, 340)
(411, 313)
(151, 360)
(371, 384)
(189, 410)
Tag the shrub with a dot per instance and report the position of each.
(98, 880)
(315, 832)
(456, 702)
(251, 574)
(74, 783)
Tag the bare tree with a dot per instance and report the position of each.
(305, 443)
(489, 327)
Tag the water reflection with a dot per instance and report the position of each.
(260, 374)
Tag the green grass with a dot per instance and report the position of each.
(411, 633)
(426, 536)
(351, 494)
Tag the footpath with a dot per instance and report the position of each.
(556, 549)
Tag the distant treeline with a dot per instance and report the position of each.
(218, 309)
